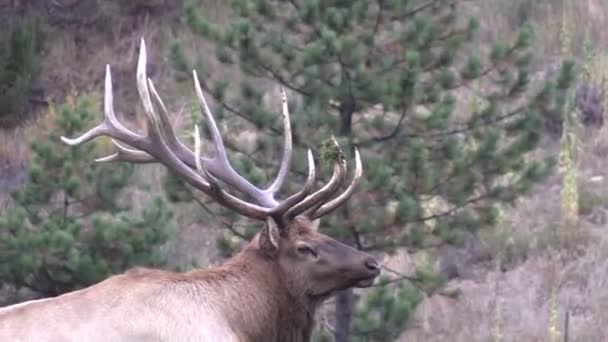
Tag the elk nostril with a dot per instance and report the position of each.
(372, 264)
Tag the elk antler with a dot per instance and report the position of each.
(162, 145)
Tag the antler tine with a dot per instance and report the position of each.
(321, 195)
(144, 94)
(276, 185)
(199, 165)
(183, 152)
(126, 154)
(220, 166)
(216, 136)
(292, 200)
(286, 203)
(159, 128)
(110, 126)
(338, 201)
(244, 207)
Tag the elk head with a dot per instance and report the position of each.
(314, 265)
(308, 261)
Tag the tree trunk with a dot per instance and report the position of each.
(344, 315)
(347, 108)
(344, 299)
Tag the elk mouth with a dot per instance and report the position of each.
(362, 282)
(367, 281)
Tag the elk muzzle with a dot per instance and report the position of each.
(372, 268)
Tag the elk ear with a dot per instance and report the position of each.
(269, 237)
(315, 224)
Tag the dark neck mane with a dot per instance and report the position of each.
(254, 298)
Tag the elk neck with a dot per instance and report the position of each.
(259, 303)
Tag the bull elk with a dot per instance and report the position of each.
(269, 291)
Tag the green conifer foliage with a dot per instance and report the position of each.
(67, 228)
(385, 313)
(392, 77)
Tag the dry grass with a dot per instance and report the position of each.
(15, 144)
(549, 269)
(534, 299)
(534, 225)
(14, 147)
(547, 16)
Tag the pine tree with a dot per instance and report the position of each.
(67, 227)
(389, 77)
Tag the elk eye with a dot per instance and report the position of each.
(305, 249)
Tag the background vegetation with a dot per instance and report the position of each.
(384, 77)
(66, 228)
(446, 277)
